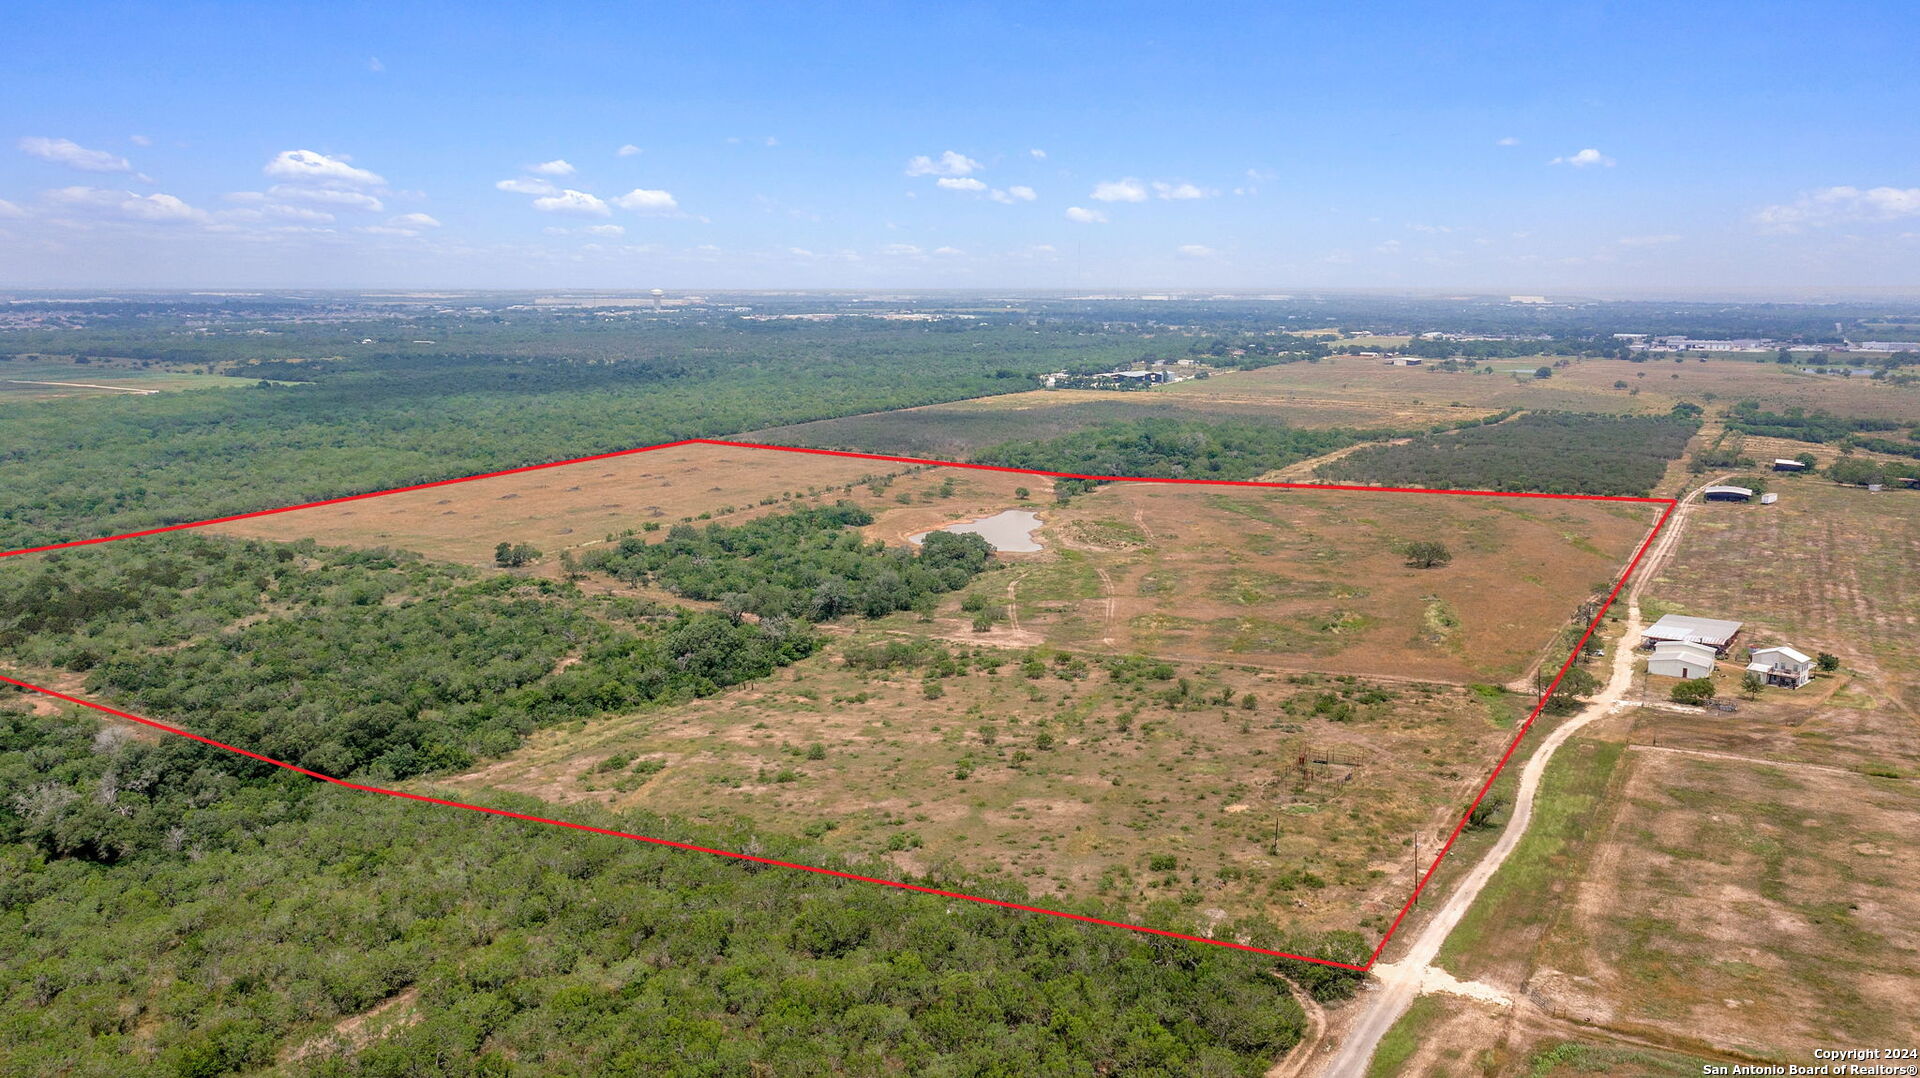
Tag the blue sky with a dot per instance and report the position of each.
(1602, 147)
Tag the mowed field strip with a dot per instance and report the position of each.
(1284, 613)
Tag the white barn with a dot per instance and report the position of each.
(1782, 666)
(1681, 659)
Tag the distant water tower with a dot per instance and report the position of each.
(657, 295)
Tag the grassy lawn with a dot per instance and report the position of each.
(1513, 909)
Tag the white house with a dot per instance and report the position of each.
(1782, 666)
(1715, 634)
(1681, 659)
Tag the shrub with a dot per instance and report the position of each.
(1694, 691)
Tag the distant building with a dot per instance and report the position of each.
(1782, 666)
(1403, 361)
(1681, 659)
(1782, 464)
(1712, 632)
(1526, 299)
(1726, 493)
(1769, 499)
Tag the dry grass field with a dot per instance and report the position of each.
(1312, 580)
(1075, 782)
(1424, 395)
(577, 505)
(1293, 579)
(1774, 910)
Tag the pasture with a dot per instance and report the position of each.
(1198, 786)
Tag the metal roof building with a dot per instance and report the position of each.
(1726, 493)
(1681, 659)
(1712, 632)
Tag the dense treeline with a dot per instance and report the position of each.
(1748, 417)
(1443, 348)
(1165, 447)
(168, 908)
(1173, 448)
(1549, 452)
(357, 663)
(806, 564)
(1862, 471)
(280, 907)
(474, 403)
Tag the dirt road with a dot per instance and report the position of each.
(1399, 983)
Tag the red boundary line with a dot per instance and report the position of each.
(1668, 505)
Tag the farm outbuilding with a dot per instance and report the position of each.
(1726, 493)
(1681, 659)
(1782, 464)
(1710, 632)
(1781, 665)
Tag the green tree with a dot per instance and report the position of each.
(1827, 661)
(1695, 691)
(1428, 554)
(1750, 685)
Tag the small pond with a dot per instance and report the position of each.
(1010, 531)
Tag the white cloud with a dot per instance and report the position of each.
(270, 212)
(327, 196)
(306, 166)
(73, 155)
(950, 163)
(160, 208)
(1037, 155)
(948, 251)
(374, 65)
(1437, 230)
(140, 140)
(1180, 191)
(800, 252)
(770, 141)
(1197, 250)
(571, 201)
(1833, 205)
(1013, 194)
(1584, 159)
(1085, 216)
(413, 220)
(628, 150)
(1127, 190)
(605, 230)
(1650, 241)
(8, 209)
(961, 183)
(522, 186)
(904, 250)
(1507, 141)
(642, 200)
(556, 167)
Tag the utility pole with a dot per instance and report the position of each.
(1416, 868)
